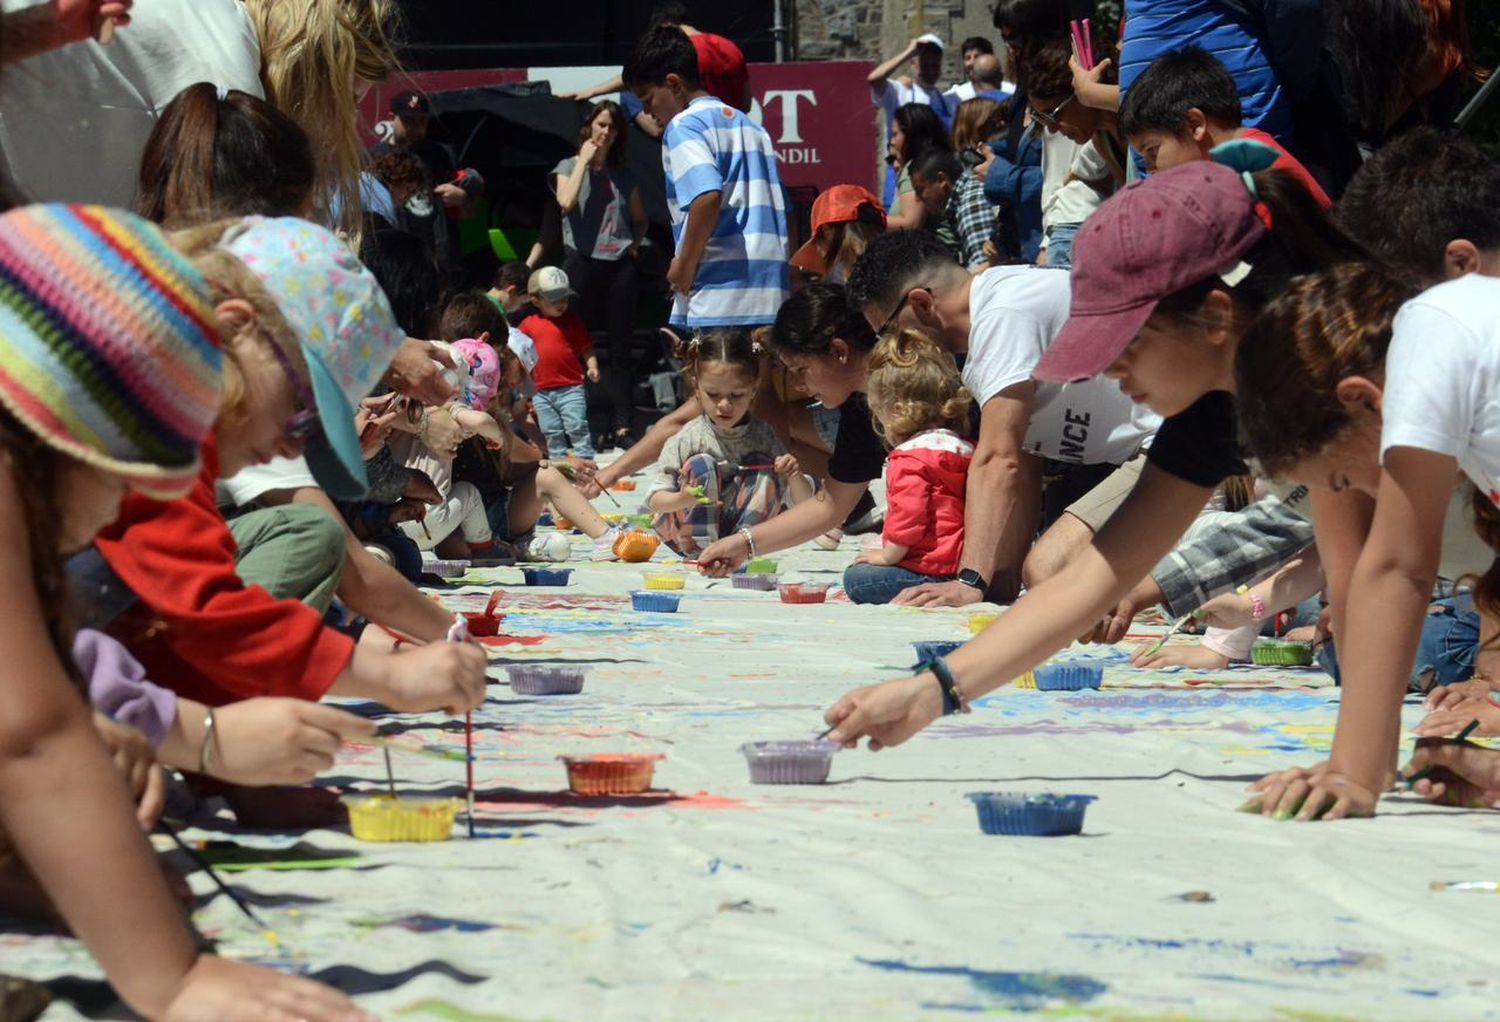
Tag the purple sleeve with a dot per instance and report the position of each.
(118, 687)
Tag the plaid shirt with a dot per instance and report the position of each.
(970, 217)
(1247, 547)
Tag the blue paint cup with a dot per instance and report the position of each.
(1017, 815)
(930, 651)
(655, 602)
(546, 576)
(1069, 676)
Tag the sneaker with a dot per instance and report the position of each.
(604, 546)
(554, 546)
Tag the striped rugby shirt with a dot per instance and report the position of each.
(742, 277)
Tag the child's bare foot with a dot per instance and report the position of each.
(286, 808)
(1455, 773)
(1457, 715)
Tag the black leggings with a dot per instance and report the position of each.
(606, 294)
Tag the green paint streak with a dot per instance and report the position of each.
(453, 1013)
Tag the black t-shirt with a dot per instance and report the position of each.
(858, 455)
(1199, 444)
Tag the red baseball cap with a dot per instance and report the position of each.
(839, 204)
(1150, 241)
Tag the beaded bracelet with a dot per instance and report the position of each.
(749, 541)
(954, 700)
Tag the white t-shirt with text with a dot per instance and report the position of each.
(1015, 312)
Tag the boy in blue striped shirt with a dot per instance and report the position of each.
(728, 214)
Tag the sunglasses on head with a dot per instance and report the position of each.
(1050, 118)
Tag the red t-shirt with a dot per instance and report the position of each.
(561, 346)
(198, 628)
(925, 479)
(1289, 163)
(721, 66)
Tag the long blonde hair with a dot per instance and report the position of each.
(914, 385)
(312, 52)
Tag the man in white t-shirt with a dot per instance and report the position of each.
(1000, 322)
(926, 56)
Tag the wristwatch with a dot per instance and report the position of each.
(973, 579)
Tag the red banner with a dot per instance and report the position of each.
(821, 120)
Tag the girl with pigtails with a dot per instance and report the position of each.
(725, 470)
(920, 410)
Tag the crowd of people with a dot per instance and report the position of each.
(1156, 338)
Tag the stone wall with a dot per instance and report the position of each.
(875, 29)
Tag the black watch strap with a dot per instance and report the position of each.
(973, 579)
(953, 700)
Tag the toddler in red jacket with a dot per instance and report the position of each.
(921, 409)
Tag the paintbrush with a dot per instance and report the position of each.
(1477, 886)
(390, 775)
(1176, 627)
(426, 751)
(570, 473)
(213, 875)
(1466, 732)
(460, 633)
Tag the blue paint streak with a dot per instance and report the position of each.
(1020, 991)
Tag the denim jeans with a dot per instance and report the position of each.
(882, 583)
(1060, 245)
(563, 414)
(1447, 648)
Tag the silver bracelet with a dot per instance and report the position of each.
(749, 541)
(206, 752)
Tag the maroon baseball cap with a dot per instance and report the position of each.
(1150, 241)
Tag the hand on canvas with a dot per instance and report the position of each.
(1455, 773)
(1457, 715)
(1447, 696)
(135, 760)
(1328, 795)
(888, 714)
(938, 594)
(226, 991)
(1113, 627)
(1194, 655)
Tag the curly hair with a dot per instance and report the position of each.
(914, 385)
(1324, 328)
(400, 167)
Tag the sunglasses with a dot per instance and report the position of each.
(1050, 118)
(890, 320)
(304, 424)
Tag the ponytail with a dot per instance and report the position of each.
(743, 349)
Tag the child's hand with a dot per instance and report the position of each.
(1229, 612)
(135, 760)
(1318, 794)
(786, 465)
(680, 276)
(1455, 716)
(1197, 656)
(1455, 773)
(1088, 85)
(271, 741)
(447, 676)
(889, 713)
(216, 990)
(1448, 696)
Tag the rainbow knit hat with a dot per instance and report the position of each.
(109, 347)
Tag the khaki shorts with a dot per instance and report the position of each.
(1094, 507)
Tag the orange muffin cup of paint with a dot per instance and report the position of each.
(613, 773)
(803, 592)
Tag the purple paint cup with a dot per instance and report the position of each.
(795, 762)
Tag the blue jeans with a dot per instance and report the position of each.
(1449, 644)
(563, 414)
(882, 583)
(1060, 245)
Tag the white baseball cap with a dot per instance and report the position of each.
(550, 282)
(931, 39)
